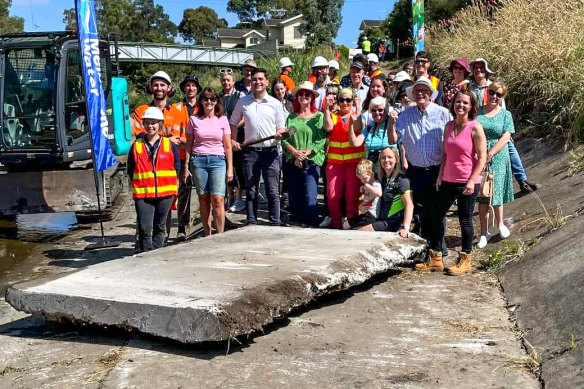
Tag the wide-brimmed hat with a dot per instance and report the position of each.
(305, 85)
(422, 81)
(462, 62)
(190, 77)
(251, 63)
(472, 64)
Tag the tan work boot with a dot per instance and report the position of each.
(434, 262)
(462, 265)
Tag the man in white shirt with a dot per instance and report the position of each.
(263, 116)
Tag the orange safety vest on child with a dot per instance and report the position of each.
(149, 181)
(340, 150)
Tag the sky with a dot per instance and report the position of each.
(47, 15)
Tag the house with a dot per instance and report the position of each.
(286, 31)
(365, 24)
(239, 37)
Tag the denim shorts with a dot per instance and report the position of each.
(209, 174)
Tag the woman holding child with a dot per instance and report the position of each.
(304, 154)
(463, 159)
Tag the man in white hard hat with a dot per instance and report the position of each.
(285, 72)
(319, 76)
(421, 130)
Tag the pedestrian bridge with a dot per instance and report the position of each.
(184, 54)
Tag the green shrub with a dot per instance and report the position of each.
(344, 51)
(536, 48)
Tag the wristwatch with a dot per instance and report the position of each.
(404, 227)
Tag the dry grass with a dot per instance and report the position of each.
(576, 164)
(536, 48)
(531, 361)
(470, 326)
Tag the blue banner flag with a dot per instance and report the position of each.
(90, 62)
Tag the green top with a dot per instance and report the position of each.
(309, 134)
(366, 45)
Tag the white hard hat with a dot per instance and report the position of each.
(284, 62)
(319, 61)
(333, 64)
(364, 37)
(161, 75)
(401, 76)
(372, 57)
(153, 113)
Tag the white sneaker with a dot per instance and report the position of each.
(483, 240)
(326, 223)
(504, 231)
(238, 206)
(346, 225)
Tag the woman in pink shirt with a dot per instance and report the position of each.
(209, 144)
(463, 159)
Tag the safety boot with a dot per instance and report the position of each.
(462, 265)
(433, 263)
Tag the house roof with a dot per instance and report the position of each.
(366, 23)
(236, 32)
(277, 22)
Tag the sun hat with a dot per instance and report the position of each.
(305, 85)
(401, 76)
(334, 64)
(160, 75)
(153, 113)
(372, 57)
(472, 64)
(251, 63)
(319, 61)
(462, 62)
(422, 81)
(284, 62)
(190, 77)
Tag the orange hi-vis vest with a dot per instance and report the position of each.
(180, 128)
(340, 150)
(435, 82)
(375, 73)
(172, 120)
(149, 181)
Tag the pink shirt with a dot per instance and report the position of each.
(208, 134)
(460, 154)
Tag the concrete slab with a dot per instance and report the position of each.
(215, 288)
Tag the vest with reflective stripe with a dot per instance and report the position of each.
(151, 182)
(340, 150)
(435, 81)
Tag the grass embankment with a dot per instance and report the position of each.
(536, 48)
(209, 76)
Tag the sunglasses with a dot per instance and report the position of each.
(457, 68)
(345, 100)
(211, 99)
(304, 93)
(421, 61)
(421, 92)
(378, 110)
(493, 93)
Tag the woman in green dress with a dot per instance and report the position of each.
(498, 125)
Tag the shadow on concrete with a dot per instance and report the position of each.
(35, 327)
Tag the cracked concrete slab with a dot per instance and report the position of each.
(215, 288)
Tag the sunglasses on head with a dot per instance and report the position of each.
(226, 71)
(493, 93)
(345, 100)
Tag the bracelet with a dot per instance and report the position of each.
(404, 227)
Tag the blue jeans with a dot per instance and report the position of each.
(263, 161)
(516, 165)
(302, 191)
(209, 174)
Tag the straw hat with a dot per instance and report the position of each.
(306, 85)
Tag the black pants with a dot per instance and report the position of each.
(152, 222)
(449, 192)
(423, 184)
(183, 205)
(264, 162)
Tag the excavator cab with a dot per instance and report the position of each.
(44, 130)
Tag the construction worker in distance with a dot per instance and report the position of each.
(422, 66)
(153, 165)
(285, 72)
(334, 72)
(190, 87)
(366, 45)
(374, 69)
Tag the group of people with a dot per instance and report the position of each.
(394, 152)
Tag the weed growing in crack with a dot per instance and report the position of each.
(576, 164)
(531, 361)
(551, 220)
(571, 344)
(510, 251)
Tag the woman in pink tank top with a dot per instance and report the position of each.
(463, 159)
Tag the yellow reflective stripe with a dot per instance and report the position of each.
(338, 157)
(161, 173)
(152, 190)
(354, 155)
(344, 157)
(340, 144)
(139, 146)
(166, 145)
(335, 118)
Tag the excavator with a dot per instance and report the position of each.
(45, 148)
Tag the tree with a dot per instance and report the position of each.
(322, 20)
(251, 10)
(9, 24)
(138, 20)
(199, 23)
(372, 33)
